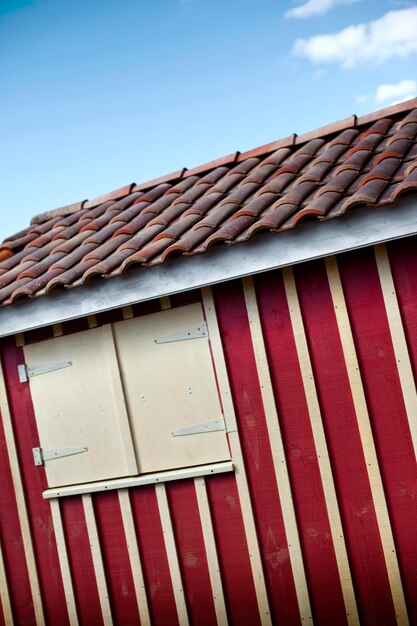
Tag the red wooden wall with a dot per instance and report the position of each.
(321, 362)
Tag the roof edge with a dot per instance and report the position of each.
(263, 253)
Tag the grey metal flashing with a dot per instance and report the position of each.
(312, 240)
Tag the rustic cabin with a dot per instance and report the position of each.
(208, 397)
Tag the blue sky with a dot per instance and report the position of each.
(95, 94)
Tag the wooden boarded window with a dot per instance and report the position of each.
(170, 388)
(140, 395)
(81, 406)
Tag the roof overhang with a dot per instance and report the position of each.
(312, 240)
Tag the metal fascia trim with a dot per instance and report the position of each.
(358, 229)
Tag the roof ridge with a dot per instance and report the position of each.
(235, 157)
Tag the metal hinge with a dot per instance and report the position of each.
(28, 372)
(40, 455)
(182, 335)
(205, 427)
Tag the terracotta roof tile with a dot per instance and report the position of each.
(410, 168)
(5, 253)
(192, 239)
(113, 195)
(14, 260)
(72, 259)
(70, 209)
(11, 275)
(354, 163)
(408, 184)
(170, 178)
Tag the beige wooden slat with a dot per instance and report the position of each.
(57, 330)
(64, 562)
(4, 593)
(134, 556)
(21, 503)
(127, 312)
(405, 371)
(92, 321)
(367, 440)
(237, 456)
(219, 362)
(278, 453)
(20, 339)
(171, 550)
(165, 302)
(211, 551)
(97, 560)
(321, 448)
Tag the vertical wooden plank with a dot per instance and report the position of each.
(278, 453)
(314, 528)
(368, 444)
(232, 549)
(165, 302)
(399, 343)
(12, 543)
(20, 339)
(386, 406)
(219, 362)
(211, 551)
(153, 555)
(21, 504)
(63, 562)
(115, 556)
(321, 448)
(80, 560)
(57, 330)
(134, 555)
(4, 593)
(237, 456)
(97, 559)
(232, 318)
(171, 551)
(92, 321)
(127, 312)
(192, 557)
(345, 446)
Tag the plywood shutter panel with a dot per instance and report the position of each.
(81, 406)
(170, 386)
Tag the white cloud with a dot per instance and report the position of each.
(394, 34)
(404, 90)
(316, 7)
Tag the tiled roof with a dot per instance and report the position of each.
(355, 163)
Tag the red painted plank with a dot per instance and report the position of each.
(80, 560)
(241, 365)
(309, 501)
(153, 556)
(384, 395)
(191, 553)
(345, 448)
(34, 482)
(116, 559)
(232, 550)
(12, 544)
